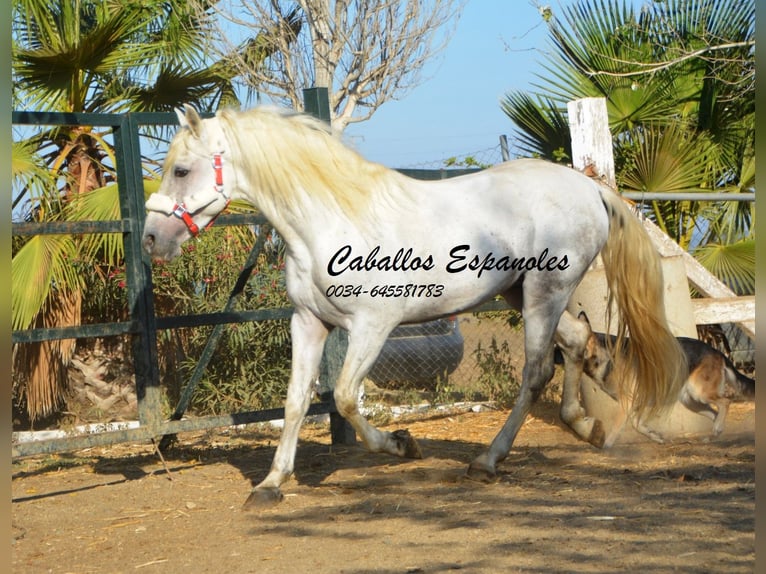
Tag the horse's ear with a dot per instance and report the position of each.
(189, 118)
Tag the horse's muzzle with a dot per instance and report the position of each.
(162, 237)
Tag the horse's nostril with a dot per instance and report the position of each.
(148, 243)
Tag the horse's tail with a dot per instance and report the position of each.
(634, 276)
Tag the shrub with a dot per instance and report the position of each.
(250, 367)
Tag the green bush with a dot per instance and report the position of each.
(250, 367)
(497, 376)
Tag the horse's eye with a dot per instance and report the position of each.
(180, 172)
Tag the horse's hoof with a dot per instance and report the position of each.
(263, 497)
(597, 434)
(481, 471)
(406, 446)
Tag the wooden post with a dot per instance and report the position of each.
(591, 138)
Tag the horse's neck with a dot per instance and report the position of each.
(295, 224)
(309, 216)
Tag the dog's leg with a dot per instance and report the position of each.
(720, 418)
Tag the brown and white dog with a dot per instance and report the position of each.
(712, 383)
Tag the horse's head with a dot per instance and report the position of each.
(192, 191)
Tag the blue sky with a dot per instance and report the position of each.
(455, 111)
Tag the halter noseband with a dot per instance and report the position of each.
(184, 213)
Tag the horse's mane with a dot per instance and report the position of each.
(289, 155)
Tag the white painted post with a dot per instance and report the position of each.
(591, 138)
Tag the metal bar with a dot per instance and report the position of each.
(162, 118)
(701, 196)
(505, 154)
(316, 102)
(183, 321)
(144, 433)
(138, 273)
(66, 119)
(435, 174)
(221, 317)
(79, 332)
(70, 227)
(240, 219)
(490, 306)
(130, 327)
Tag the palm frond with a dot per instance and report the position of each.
(732, 263)
(42, 264)
(542, 129)
(31, 177)
(668, 159)
(173, 85)
(101, 204)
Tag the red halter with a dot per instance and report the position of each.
(180, 211)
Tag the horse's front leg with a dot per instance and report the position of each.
(308, 338)
(364, 345)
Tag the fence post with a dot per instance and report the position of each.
(138, 272)
(504, 151)
(591, 138)
(316, 102)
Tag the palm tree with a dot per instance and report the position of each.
(90, 56)
(677, 77)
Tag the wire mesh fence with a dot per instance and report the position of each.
(468, 357)
(478, 158)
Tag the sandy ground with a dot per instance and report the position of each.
(559, 505)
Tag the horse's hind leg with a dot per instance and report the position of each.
(540, 319)
(308, 338)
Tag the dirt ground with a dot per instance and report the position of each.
(559, 505)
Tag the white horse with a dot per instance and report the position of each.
(369, 248)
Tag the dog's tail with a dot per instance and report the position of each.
(737, 384)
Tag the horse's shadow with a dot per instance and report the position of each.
(316, 462)
(250, 451)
